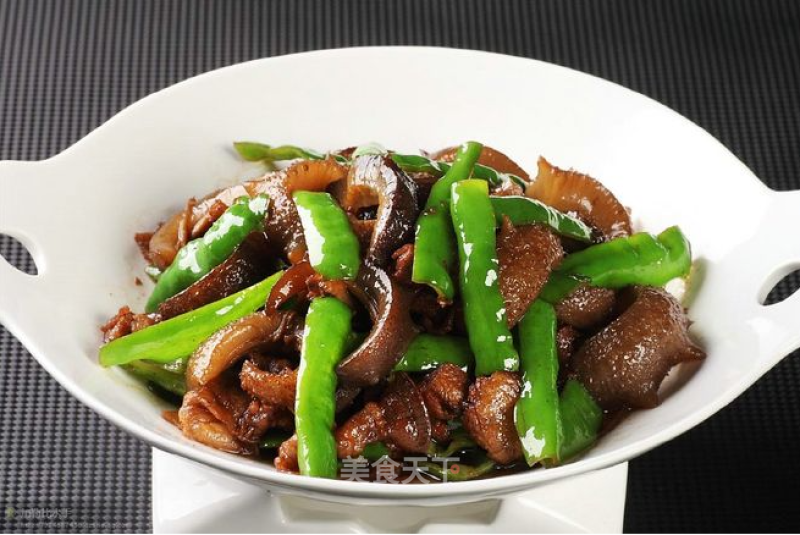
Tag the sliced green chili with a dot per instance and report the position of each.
(428, 352)
(558, 287)
(537, 414)
(200, 256)
(459, 472)
(434, 244)
(333, 248)
(169, 376)
(638, 259)
(325, 339)
(178, 337)
(413, 163)
(495, 178)
(375, 451)
(259, 152)
(410, 163)
(273, 439)
(525, 211)
(484, 308)
(641, 259)
(581, 418)
(459, 440)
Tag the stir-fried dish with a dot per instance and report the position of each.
(364, 313)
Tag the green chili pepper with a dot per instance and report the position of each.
(369, 149)
(525, 211)
(484, 308)
(434, 253)
(333, 248)
(375, 451)
(641, 259)
(259, 152)
(410, 163)
(495, 177)
(325, 338)
(169, 376)
(581, 418)
(428, 352)
(458, 471)
(459, 440)
(200, 256)
(178, 337)
(536, 413)
(434, 246)
(413, 163)
(273, 439)
(558, 287)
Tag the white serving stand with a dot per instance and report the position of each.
(191, 498)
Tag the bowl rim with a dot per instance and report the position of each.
(454, 490)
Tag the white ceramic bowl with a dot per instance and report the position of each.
(77, 213)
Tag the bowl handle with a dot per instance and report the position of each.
(783, 319)
(21, 218)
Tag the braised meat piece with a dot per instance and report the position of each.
(231, 343)
(274, 388)
(586, 306)
(424, 182)
(576, 193)
(431, 314)
(177, 230)
(245, 267)
(278, 386)
(489, 416)
(125, 322)
(204, 223)
(490, 157)
(508, 188)
(285, 232)
(403, 263)
(407, 419)
(388, 304)
(260, 417)
(375, 180)
(199, 424)
(566, 337)
(444, 391)
(293, 285)
(271, 363)
(318, 286)
(440, 432)
(286, 461)
(212, 415)
(400, 418)
(142, 240)
(527, 254)
(365, 427)
(624, 364)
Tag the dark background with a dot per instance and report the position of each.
(731, 66)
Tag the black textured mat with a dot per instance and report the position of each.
(731, 66)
